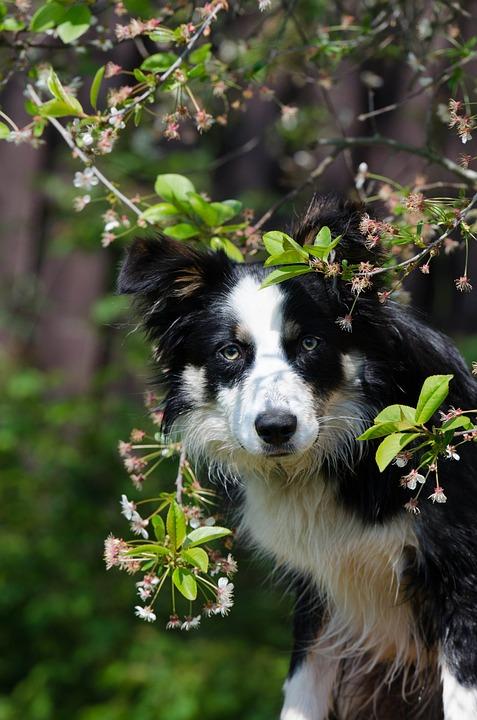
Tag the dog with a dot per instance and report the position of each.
(266, 387)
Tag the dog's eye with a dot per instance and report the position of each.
(309, 343)
(231, 352)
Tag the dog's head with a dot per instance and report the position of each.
(251, 373)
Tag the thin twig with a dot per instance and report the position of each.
(434, 244)
(465, 173)
(440, 80)
(66, 135)
(175, 65)
(179, 478)
(83, 157)
(296, 191)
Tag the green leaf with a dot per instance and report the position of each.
(173, 187)
(95, 86)
(227, 209)
(386, 428)
(395, 413)
(59, 108)
(224, 212)
(75, 23)
(285, 273)
(391, 446)
(176, 524)
(151, 548)
(159, 528)
(47, 16)
(4, 131)
(203, 209)
(434, 391)
(159, 212)
(205, 534)
(159, 62)
(277, 242)
(285, 258)
(222, 243)
(197, 557)
(60, 94)
(162, 35)
(139, 75)
(324, 237)
(12, 24)
(182, 231)
(462, 421)
(201, 54)
(185, 582)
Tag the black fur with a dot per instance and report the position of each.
(401, 350)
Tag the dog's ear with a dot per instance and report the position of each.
(170, 281)
(343, 218)
(160, 268)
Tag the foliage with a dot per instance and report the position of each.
(402, 427)
(120, 81)
(82, 657)
(187, 559)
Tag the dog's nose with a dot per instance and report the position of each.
(275, 427)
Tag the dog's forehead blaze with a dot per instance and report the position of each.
(258, 311)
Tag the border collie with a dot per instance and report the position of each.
(267, 389)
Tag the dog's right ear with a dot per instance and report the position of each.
(160, 268)
(169, 280)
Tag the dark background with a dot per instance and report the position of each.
(72, 377)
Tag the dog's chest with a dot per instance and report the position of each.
(357, 566)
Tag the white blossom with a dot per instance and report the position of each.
(128, 508)
(145, 613)
(451, 453)
(86, 179)
(190, 623)
(438, 495)
(138, 525)
(116, 118)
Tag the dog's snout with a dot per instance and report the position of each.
(275, 427)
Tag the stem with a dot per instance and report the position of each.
(465, 173)
(434, 244)
(179, 483)
(66, 135)
(9, 121)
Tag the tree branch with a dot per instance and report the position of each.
(78, 152)
(465, 173)
(83, 157)
(434, 244)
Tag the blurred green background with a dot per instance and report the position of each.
(72, 376)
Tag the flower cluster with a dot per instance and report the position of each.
(178, 536)
(461, 120)
(373, 230)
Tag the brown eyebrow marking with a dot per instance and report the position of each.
(190, 281)
(242, 334)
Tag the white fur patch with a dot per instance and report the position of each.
(460, 703)
(194, 383)
(271, 383)
(357, 566)
(308, 693)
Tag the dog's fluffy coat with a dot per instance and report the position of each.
(386, 603)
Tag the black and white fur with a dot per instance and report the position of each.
(265, 387)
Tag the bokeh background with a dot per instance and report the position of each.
(73, 373)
